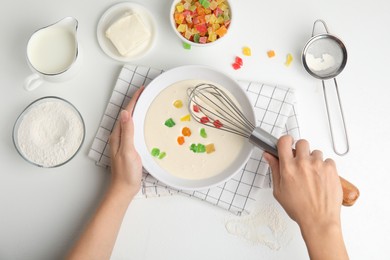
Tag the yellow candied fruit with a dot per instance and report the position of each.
(210, 148)
(182, 28)
(215, 27)
(213, 5)
(212, 37)
(246, 51)
(186, 118)
(220, 20)
(289, 59)
(213, 19)
(187, 35)
(187, 5)
(207, 11)
(223, 7)
(180, 8)
(178, 103)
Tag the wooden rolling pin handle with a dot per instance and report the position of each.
(350, 192)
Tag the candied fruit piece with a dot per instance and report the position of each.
(162, 155)
(186, 131)
(200, 148)
(182, 28)
(178, 103)
(203, 133)
(205, 3)
(221, 31)
(193, 148)
(196, 108)
(196, 37)
(271, 53)
(180, 140)
(170, 123)
(217, 124)
(180, 8)
(210, 148)
(236, 66)
(186, 46)
(204, 120)
(185, 118)
(247, 51)
(289, 59)
(155, 152)
(238, 60)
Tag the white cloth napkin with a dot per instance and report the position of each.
(275, 112)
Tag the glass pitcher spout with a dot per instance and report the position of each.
(69, 23)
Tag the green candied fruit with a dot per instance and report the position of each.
(186, 46)
(201, 148)
(205, 3)
(193, 148)
(203, 133)
(198, 148)
(196, 37)
(162, 155)
(170, 123)
(155, 152)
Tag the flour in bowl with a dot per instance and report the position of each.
(50, 132)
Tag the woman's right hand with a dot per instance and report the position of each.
(309, 189)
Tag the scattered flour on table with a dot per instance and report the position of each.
(266, 227)
(50, 133)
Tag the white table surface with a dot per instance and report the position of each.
(43, 210)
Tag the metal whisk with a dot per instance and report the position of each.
(213, 107)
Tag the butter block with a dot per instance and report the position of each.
(128, 33)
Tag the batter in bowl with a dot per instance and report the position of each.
(178, 159)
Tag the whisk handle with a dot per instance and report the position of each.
(268, 142)
(264, 140)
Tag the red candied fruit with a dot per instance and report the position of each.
(204, 120)
(217, 124)
(196, 108)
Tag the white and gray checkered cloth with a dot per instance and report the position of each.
(275, 112)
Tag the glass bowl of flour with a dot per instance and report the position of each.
(49, 132)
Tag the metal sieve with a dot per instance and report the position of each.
(324, 57)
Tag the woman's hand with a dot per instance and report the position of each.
(98, 239)
(126, 165)
(309, 189)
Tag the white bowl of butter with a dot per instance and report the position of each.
(126, 31)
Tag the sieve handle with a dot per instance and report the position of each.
(268, 143)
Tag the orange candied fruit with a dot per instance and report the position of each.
(271, 53)
(186, 131)
(180, 140)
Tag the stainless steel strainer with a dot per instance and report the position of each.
(324, 57)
